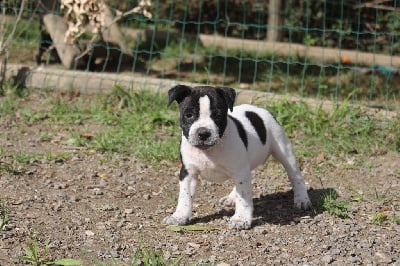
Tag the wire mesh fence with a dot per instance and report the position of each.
(321, 49)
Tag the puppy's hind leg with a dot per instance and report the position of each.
(229, 200)
(282, 151)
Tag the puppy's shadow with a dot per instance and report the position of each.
(274, 208)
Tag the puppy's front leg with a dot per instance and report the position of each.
(243, 202)
(187, 187)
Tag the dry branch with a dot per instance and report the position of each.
(5, 42)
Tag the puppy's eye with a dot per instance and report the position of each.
(188, 115)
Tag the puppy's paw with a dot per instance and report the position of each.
(228, 201)
(239, 223)
(302, 201)
(175, 220)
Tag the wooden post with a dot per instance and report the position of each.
(274, 21)
(57, 27)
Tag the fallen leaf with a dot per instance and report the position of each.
(87, 135)
(321, 157)
(181, 228)
(104, 176)
(68, 262)
(385, 208)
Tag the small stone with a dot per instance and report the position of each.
(60, 186)
(73, 198)
(108, 207)
(89, 233)
(260, 230)
(354, 259)
(335, 251)
(128, 211)
(102, 182)
(146, 196)
(114, 254)
(327, 259)
(64, 196)
(97, 192)
(382, 257)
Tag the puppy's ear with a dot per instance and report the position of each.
(228, 94)
(178, 93)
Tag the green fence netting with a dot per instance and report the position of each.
(320, 49)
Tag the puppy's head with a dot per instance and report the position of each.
(203, 112)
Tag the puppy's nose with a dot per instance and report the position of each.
(203, 133)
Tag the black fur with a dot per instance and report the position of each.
(258, 125)
(183, 173)
(241, 131)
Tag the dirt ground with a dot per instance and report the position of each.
(104, 206)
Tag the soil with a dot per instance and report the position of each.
(99, 206)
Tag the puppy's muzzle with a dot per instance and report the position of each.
(203, 134)
(204, 138)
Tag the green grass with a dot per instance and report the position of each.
(37, 254)
(335, 207)
(7, 107)
(141, 124)
(149, 256)
(379, 218)
(142, 255)
(345, 130)
(34, 255)
(138, 124)
(25, 42)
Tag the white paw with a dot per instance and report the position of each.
(174, 220)
(302, 201)
(227, 201)
(239, 223)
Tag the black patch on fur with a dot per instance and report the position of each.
(241, 131)
(183, 173)
(178, 93)
(258, 125)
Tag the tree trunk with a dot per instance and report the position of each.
(274, 21)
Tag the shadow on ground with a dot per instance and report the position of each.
(275, 208)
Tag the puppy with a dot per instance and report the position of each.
(219, 142)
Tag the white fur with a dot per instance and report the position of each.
(204, 121)
(230, 159)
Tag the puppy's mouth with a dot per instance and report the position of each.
(203, 146)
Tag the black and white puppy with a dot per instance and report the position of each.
(220, 141)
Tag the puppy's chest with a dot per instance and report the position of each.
(208, 168)
(211, 172)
